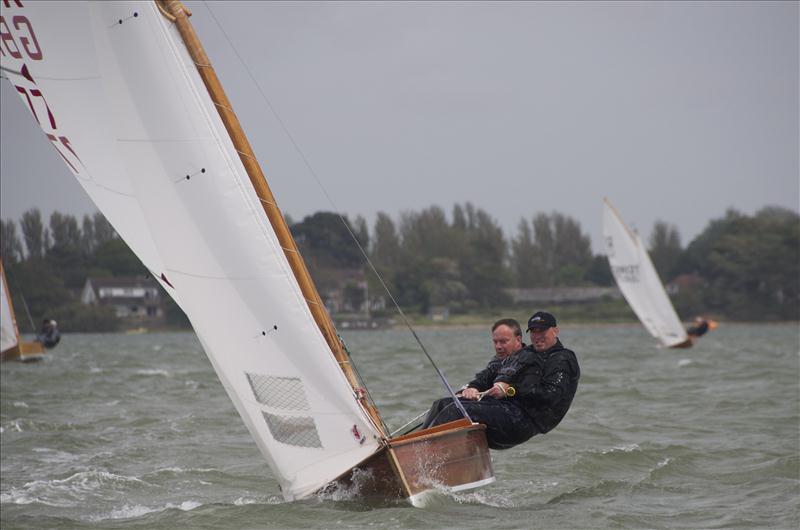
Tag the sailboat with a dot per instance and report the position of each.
(12, 347)
(639, 282)
(128, 98)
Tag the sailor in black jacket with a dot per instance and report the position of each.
(525, 394)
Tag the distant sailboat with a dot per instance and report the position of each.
(639, 282)
(12, 347)
(128, 98)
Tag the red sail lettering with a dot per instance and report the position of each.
(36, 52)
(65, 142)
(30, 103)
(7, 40)
(7, 3)
(37, 93)
(55, 141)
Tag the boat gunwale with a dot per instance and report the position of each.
(445, 429)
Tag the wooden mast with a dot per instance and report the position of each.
(175, 11)
(396, 468)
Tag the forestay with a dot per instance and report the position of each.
(638, 280)
(115, 92)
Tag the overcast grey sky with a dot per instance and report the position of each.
(676, 111)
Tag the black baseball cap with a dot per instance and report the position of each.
(541, 320)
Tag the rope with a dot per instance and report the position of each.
(415, 419)
(17, 287)
(341, 218)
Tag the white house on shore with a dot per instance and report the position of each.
(134, 299)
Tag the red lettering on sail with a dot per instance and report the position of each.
(30, 103)
(65, 142)
(35, 99)
(7, 41)
(35, 92)
(55, 142)
(38, 94)
(29, 37)
(26, 85)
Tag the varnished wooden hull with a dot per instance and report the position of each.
(450, 457)
(24, 352)
(688, 343)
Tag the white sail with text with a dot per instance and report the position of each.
(117, 95)
(639, 282)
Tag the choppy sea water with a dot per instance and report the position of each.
(135, 431)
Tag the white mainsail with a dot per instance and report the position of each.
(638, 280)
(116, 93)
(9, 335)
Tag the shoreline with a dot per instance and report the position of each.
(439, 325)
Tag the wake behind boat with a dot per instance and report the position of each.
(130, 101)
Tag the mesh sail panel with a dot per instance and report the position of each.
(278, 392)
(293, 430)
(287, 394)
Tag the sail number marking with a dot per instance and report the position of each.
(626, 273)
(23, 29)
(18, 40)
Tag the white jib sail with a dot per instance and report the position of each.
(9, 336)
(638, 280)
(115, 92)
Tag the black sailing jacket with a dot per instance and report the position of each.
(545, 382)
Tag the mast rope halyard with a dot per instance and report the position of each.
(341, 218)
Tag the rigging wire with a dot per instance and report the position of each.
(22, 298)
(336, 210)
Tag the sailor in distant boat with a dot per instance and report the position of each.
(527, 393)
(700, 327)
(49, 335)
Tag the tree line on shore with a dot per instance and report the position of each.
(744, 267)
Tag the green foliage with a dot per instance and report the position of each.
(747, 265)
(750, 265)
(665, 249)
(599, 272)
(117, 258)
(325, 242)
(484, 258)
(385, 252)
(47, 281)
(551, 251)
(174, 315)
(35, 283)
(460, 264)
(66, 253)
(523, 255)
(10, 245)
(102, 231)
(36, 236)
(77, 317)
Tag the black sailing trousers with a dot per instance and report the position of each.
(506, 424)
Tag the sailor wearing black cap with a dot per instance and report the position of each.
(528, 393)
